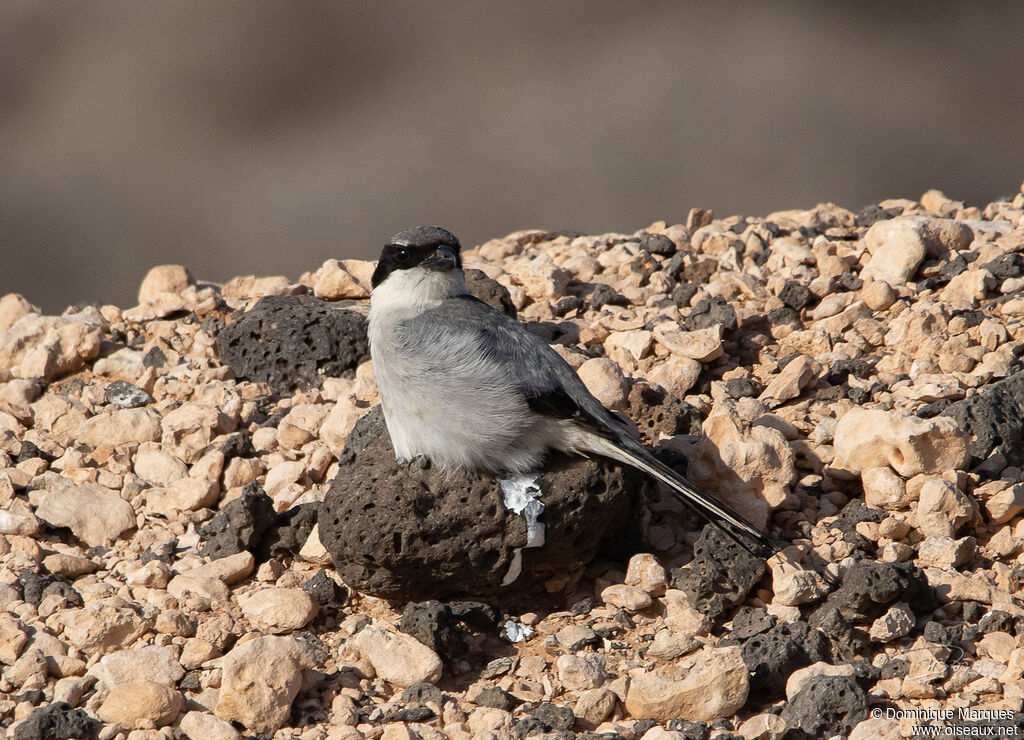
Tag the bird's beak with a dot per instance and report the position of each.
(445, 258)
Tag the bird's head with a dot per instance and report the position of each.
(421, 250)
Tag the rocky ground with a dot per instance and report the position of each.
(199, 540)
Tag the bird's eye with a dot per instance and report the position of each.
(402, 255)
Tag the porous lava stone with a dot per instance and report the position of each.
(291, 342)
(406, 532)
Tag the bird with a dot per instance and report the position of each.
(469, 388)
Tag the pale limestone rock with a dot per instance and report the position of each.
(789, 383)
(581, 671)
(897, 249)
(944, 552)
(669, 645)
(140, 705)
(184, 585)
(103, 625)
(765, 726)
(153, 574)
(968, 287)
(646, 573)
(339, 422)
(605, 380)
(334, 281)
(396, 657)
(883, 489)
(625, 347)
(1006, 504)
(878, 295)
(184, 494)
(260, 679)
(943, 509)
(871, 438)
(301, 425)
(701, 687)
(22, 523)
(151, 663)
(203, 726)
(676, 374)
(681, 617)
(313, 551)
(792, 584)
(158, 467)
(749, 467)
(626, 597)
(164, 279)
(95, 514)
(230, 569)
(702, 345)
(593, 706)
(660, 733)
(190, 428)
(12, 638)
(897, 622)
(12, 307)
(241, 471)
(952, 586)
(998, 646)
(277, 610)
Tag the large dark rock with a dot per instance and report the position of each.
(826, 706)
(994, 417)
(291, 342)
(407, 532)
(720, 574)
(289, 531)
(773, 655)
(239, 525)
(57, 721)
(490, 291)
(708, 312)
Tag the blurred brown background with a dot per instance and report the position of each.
(265, 137)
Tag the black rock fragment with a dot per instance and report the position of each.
(1006, 266)
(743, 387)
(795, 295)
(720, 575)
(125, 394)
(773, 655)
(658, 244)
(432, 623)
(239, 525)
(874, 213)
(36, 586)
(750, 621)
(602, 294)
(324, 590)
(656, 412)
(683, 293)
(546, 718)
(491, 292)
(826, 706)
(497, 698)
(289, 531)
(709, 312)
(57, 721)
(407, 532)
(994, 417)
(154, 358)
(29, 451)
(291, 342)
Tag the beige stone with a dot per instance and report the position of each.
(883, 489)
(626, 597)
(12, 307)
(702, 687)
(96, 515)
(260, 679)
(676, 374)
(968, 287)
(593, 706)
(12, 638)
(103, 625)
(897, 622)
(702, 345)
(581, 671)
(396, 657)
(203, 726)
(871, 438)
(141, 705)
(158, 664)
(277, 610)
(333, 281)
(301, 425)
(1006, 504)
(646, 573)
(765, 726)
(788, 384)
(897, 249)
(605, 380)
(184, 494)
(798, 678)
(158, 467)
(944, 552)
(943, 509)
(190, 428)
(164, 279)
(230, 569)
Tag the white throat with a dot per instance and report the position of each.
(415, 289)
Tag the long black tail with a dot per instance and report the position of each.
(633, 453)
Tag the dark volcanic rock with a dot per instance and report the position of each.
(546, 717)
(773, 655)
(491, 292)
(239, 525)
(795, 295)
(658, 244)
(324, 590)
(994, 417)
(826, 706)
(709, 312)
(656, 412)
(57, 721)
(1006, 266)
(35, 586)
(432, 623)
(290, 342)
(720, 574)
(496, 697)
(406, 532)
(123, 393)
(289, 531)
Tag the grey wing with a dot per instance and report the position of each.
(547, 383)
